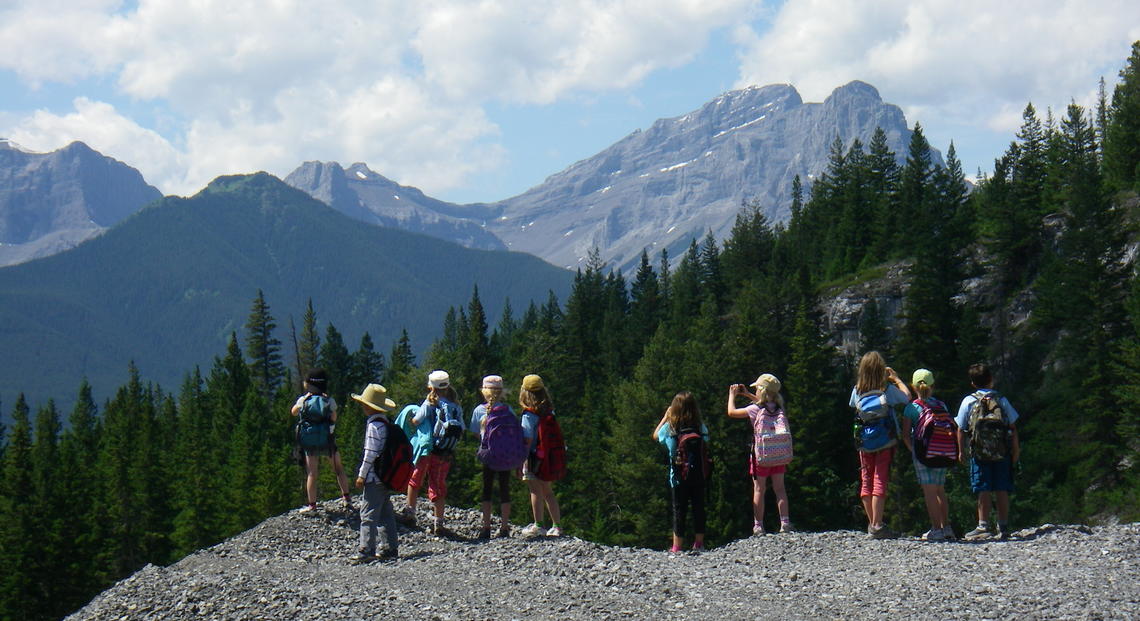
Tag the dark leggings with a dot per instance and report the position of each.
(504, 484)
(684, 495)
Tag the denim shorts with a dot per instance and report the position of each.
(991, 476)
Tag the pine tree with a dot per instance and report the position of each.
(367, 364)
(310, 344)
(264, 350)
(78, 448)
(1122, 138)
(18, 597)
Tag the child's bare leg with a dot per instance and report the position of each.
(1003, 507)
(781, 495)
(985, 505)
(759, 486)
(551, 502)
(341, 479)
(312, 469)
(878, 503)
(537, 507)
(933, 504)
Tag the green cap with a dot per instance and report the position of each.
(922, 376)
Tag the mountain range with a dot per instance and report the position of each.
(50, 202)
(167, 287)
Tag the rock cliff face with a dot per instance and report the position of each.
(684, 176)
(369, 197)
(296, 566)
(50, 202)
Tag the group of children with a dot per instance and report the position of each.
(531, 444)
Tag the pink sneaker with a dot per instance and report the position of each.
(674, 549)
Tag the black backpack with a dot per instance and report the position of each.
(692, 461)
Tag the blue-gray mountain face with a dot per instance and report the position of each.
(369, 197)
(50, 202)
(687, 175)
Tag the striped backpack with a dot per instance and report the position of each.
(935, 435)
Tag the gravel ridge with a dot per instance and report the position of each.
(297, 565)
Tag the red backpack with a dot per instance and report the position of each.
(692, 459)
(550, 449)
(394, 464)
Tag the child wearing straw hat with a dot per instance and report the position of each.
(377, 502)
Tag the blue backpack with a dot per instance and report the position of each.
(315, 425)
(875, 428)
(502, 445)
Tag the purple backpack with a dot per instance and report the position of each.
(502, 446)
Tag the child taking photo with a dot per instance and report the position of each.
(771, 445)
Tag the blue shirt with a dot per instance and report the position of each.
(426, 428)
(479, 413)
(668, 437)
(893, 394)
(963, 418)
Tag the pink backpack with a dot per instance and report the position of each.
(771, 437)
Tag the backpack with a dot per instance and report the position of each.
(988, 429)
(394, 464)
(771, 440)
(935, 435)
(315, 424)
(502, 446)
(446, 434)
(550, 449)
(875, 428)
(692, 462)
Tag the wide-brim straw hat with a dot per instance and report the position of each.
(375, 396)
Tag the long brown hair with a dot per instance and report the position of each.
(537, 401)
(872, 373)
(683, 412)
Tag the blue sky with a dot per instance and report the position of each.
(480, 100)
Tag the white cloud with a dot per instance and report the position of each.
(102, 128)
(535, 52)
(268, 84)
(963, 61)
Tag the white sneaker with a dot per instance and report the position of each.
(307, 508)
(530, 530)
(934, 534)
(554, 532)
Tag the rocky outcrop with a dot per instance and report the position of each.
(296, 566)
(50, 202)
(656, 189)
(370, 197)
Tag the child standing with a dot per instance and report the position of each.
(377, 503)
(877, 387)
(501, 449)
(316, 413)
(987, 420)
(439, 423)
(682, 421)
(538, 410)
(771, 445)
(932, 479)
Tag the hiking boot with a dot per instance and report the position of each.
(981, 532)
(786, 527)
(882, 532)
(504, 531)
(346, 503)
(554, 532)
(530, 530)
(362, 558)
(439, 530)
(1003, 532)
(389, 554)
(485, 533)
(307, 508)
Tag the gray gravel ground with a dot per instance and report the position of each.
(296, 566)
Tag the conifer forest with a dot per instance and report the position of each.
(91, 495)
